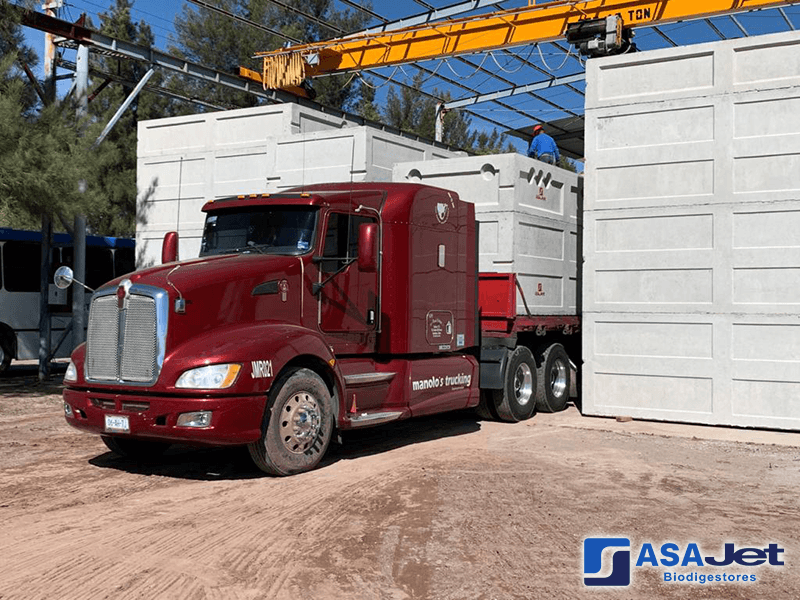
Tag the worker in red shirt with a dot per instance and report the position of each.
(543, 147)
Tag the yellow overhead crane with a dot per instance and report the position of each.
(595, 27)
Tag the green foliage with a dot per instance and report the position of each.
(414, 112)
(48, 164)
(219, 42)
(42, 162)
(566, 163)
(14, 54)
(113, 169)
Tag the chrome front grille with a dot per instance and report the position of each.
(102, 338)
(139, 349)
(125, 340)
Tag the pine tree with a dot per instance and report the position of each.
(219, 42)
(114, 172)
(42, 158)
(13, 50)
(414, 112)
(48, 163)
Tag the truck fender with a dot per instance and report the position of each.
(493, 367)
(263, 350)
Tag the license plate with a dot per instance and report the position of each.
(118, 423)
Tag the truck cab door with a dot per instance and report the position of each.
(348, 300)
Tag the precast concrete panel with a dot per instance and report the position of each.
(507, 182)
(352, 154)
(528, 221)
(232, 128)
(185, 161)
(691, 294)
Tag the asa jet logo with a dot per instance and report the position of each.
(619, 556)
(607, 561)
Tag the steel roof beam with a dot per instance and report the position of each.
(513, 91)
(128, 50)
(664, 36)
(436, 14)
(786, 18)
(739, 25)
(108, 78)
(714, 29)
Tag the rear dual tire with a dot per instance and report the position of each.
(515, 402)
(554, 377)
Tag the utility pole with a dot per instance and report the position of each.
(47, 223)
(79, 229)
(50, 54)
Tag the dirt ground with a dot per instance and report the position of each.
(448, 507)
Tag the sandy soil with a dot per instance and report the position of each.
(438, 508)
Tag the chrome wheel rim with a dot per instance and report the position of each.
(301, 422)
(523, 384)
(558, 378)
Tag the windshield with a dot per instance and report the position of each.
(265, 230)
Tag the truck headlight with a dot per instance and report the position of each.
(212, 377)
(72, 373)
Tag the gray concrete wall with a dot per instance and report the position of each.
(528, 215)
(692, 234)
(185, 161)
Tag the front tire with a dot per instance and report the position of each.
(553, 374)
(515, 402)
(298, 425)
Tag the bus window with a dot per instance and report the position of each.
(99, 266)
(124, 261)
(21, 266)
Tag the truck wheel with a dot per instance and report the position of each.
(298, 425)
(486, 409)
(553, 375)
(515, 402)
(144, 450)
(6, 351)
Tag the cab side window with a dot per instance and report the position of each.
(341, 240)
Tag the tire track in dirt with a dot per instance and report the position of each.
(432, 509)
(135, 535)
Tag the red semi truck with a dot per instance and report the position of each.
(326, 308)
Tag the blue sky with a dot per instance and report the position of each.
(160, 14)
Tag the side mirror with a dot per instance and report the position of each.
(63, 277)
(368, 247)
(169, 248)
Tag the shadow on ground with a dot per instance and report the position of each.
(231, 463)
(22, 380)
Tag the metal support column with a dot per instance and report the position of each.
(82, 81)
(124, 106)
(78, 291)
(79, 230)
(50, 53)
(44, 300)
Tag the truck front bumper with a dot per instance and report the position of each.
(234, 419)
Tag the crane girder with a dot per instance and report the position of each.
(290, 66)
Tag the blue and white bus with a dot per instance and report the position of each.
(20, 258)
